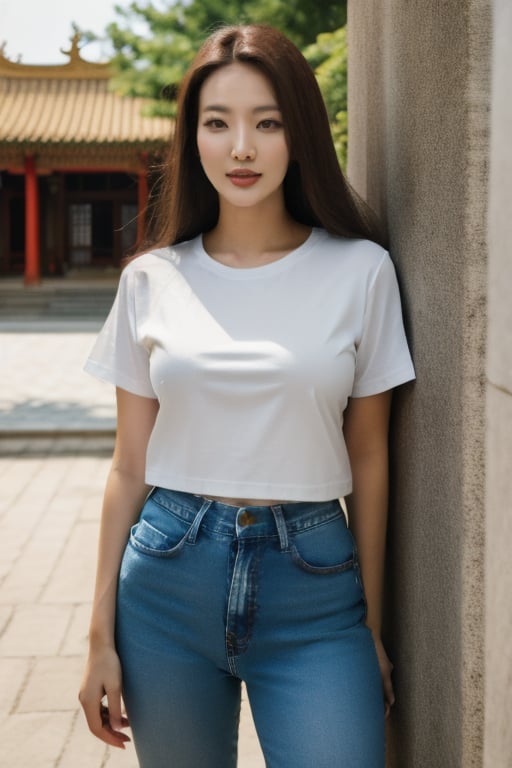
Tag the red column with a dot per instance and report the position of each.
(143, 194)
(32, 252)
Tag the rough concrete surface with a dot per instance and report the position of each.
(498, 656)
(419, 95)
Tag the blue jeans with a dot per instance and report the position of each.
(211, 595)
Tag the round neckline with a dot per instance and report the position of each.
(247, 273)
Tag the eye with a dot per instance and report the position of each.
(269, 124)
(215, 123)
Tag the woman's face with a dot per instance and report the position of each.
(240, 136)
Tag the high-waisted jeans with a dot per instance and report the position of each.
(211, 595)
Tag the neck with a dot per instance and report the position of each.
(254, 235)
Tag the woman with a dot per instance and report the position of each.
(254, 348)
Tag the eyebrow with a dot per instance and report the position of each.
(256, 110)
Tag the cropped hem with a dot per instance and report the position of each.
(254, 490)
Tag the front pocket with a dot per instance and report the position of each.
(324, 549)
(147, 539)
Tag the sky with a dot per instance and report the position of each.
(36, 30)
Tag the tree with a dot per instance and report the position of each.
(153, 44)
(328, 57)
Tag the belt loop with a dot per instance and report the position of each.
(282, 530)
(194, 528)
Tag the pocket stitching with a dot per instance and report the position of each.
(320, 569)
(143, 548)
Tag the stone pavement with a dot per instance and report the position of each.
(55, 432)
(43, 388)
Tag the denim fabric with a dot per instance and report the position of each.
(210, 595)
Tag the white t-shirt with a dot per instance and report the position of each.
(253, 367)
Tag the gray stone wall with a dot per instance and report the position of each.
(419, 97)
(498, 657)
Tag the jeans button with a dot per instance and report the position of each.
(246, 518)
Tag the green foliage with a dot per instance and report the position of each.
(152, 49)
(300, 20)
(328, 57)
(154, 42)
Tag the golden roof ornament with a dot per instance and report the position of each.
(76, 67)
(74, 52)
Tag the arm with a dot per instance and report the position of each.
(366, 426)
(124, 496)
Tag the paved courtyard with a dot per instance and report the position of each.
(43, 387)
(50, 495)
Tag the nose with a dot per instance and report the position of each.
(240, 153)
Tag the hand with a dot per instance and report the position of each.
(386, 669)
(103, 679)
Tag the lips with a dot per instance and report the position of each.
(243, 177)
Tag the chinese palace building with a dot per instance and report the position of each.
(73, 168)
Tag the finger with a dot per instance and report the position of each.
(116, 719)
(389, 696)
(113, 696)
(91, 709)
(114, 736)
(99, 723)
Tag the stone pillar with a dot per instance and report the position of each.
(498, 656)
(419, 92)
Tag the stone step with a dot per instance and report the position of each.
(41, 443)
(91, 302)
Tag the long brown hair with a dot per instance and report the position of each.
(315, 190)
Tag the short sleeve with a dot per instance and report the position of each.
(118, 355)
(383, 360)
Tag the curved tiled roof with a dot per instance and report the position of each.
(73, 110)
(71, 103)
